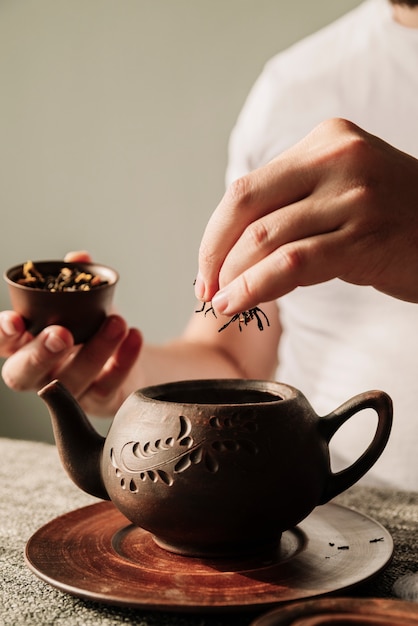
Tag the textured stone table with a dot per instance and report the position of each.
(34, 490)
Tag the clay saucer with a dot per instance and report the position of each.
(95, 553)
(343, 612)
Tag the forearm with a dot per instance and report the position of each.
(181, 360)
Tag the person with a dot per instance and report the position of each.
(329, 227)
(317, 231)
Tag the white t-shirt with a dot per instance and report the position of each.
(341, 339)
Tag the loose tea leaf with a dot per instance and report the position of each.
(243, 318)
(67, 279)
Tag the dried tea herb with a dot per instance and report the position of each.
(243, 318)
(67, 279)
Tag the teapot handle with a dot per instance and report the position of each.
(329, 424)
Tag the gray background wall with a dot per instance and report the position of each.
(114, 122)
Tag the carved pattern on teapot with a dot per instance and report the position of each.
(160, 460)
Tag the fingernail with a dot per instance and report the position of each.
(8, 327)
(54, 343)
(220, 301)
(199, 287)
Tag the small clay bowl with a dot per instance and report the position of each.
(82, 312)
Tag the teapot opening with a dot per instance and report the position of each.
(223, 392)
(218, 396)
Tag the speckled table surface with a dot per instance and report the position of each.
(34, 490)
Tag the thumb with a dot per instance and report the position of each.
(80, 256)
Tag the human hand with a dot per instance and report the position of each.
(98, 373)
(341, 203)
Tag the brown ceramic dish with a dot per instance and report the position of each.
(343, 612)
(96, 554)
(82, 312)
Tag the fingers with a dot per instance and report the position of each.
(275, 217)
(109, 390)
(282, 182)
(52, 355)
(80, 256)
(292, 223)
(85, 365)
(30, 366)
(12, 332)
(306, 262)
(282, 250)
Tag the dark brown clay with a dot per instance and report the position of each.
(82, 312)
(342, 612)
(213, 467)
(95, 553)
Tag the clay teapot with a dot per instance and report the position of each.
(213, 467)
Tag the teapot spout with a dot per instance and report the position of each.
(79, 445)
